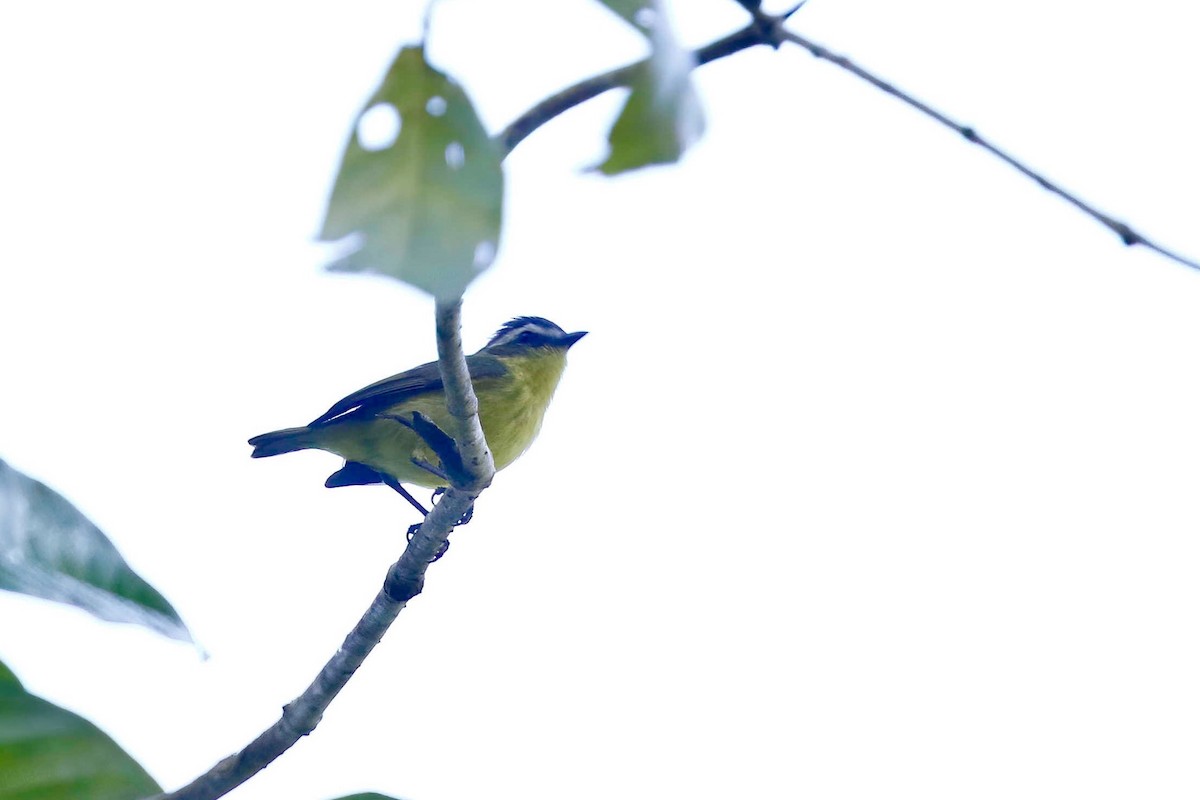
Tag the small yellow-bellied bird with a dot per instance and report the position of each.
(514, 376)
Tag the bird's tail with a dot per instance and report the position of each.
(284, 441)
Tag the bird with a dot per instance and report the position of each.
(514, 376)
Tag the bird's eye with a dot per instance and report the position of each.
(527, 338)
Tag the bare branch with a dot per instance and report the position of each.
(405, 579)
(1128, 235)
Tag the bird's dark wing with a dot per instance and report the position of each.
(420, 380)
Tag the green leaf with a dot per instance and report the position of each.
(48, 753)
(49, 549)
(662, 116)
(7, 676)
(632, 10)
(422, 204)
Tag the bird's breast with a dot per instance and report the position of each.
(512, 422)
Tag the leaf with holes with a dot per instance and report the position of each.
(48, 753)
(662, 116)
(420, 189)
(49, 549)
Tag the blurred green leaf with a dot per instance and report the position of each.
(628, 10)
(7, 676)
(48, 753)
(49, 549)
(662, 116)
(420, 189)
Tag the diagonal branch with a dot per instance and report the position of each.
(769, 29)
(404, 581)
(1128, 235)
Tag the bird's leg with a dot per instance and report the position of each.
(452, 470)
(412, 529)
(395, 484)
(470, 512)
(445, 448)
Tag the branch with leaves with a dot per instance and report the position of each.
(629, 150)
(768, 29)
(438, 148)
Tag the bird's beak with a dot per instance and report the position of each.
(571, 338)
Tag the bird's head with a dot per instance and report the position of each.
(527, 334)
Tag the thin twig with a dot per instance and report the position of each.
(405, 580)
(1128, 235)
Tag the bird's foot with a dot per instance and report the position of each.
(465, 518)
(441, 551)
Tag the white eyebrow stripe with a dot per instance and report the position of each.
(541, 328)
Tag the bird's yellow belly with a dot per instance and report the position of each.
(510, 434)
(510, 422)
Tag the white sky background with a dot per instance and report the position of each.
(875, 478)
